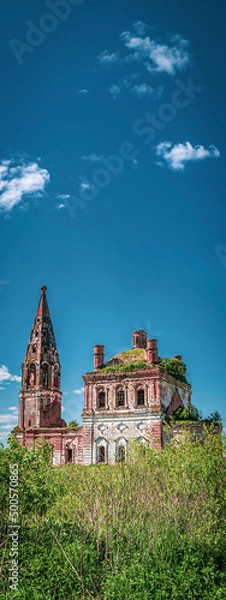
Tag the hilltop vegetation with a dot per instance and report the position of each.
(150, 528)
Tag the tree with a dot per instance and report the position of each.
(73, 423)
(190, 414)
(214, 418)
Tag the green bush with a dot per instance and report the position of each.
(73, 424)
(190, 414)
(174, 367)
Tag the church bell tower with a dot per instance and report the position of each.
(40, 395)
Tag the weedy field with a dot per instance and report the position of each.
(151, 528)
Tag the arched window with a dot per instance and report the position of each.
(34, 348)
(56, 376)
(121, 453)
(120, 398)
(69, 455)
(140, 397)
(46, 403)
(101, 400)
(101, 454)
(32, 375)
(45, 375)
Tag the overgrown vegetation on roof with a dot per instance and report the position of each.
(125, 367)
(174, 367)
(133, 360)
(128, 354)
(193, 415)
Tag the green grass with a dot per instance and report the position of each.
(153, 528)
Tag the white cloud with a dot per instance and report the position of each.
(6, 376)
(83, 91)
(91, 157)
(2, 388)
(155, 56)
(140, 27)
(3, 437)
(20, 180)
(115, 90)
(107, 59)
(144, 89)
(79, 391)
(176, 156)
(63, 196)
(8, 418)
(7, 422)
(140, 90)
(84, 186)
(134, 163)
(152, 55)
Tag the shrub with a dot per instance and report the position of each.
(174, 367)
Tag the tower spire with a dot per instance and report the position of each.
(40, 397)
(43, 309)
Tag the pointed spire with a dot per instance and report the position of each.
(40, 396)
(42, 354)
(43, 309)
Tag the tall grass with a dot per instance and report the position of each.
(150, 528)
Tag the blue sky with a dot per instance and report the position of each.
(112, 186)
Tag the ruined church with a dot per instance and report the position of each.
(125, 398)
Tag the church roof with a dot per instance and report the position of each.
(129, 357)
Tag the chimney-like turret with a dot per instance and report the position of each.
(98, 356)
(139, 339)
(152, 352)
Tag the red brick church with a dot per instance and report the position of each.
(125, 398)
